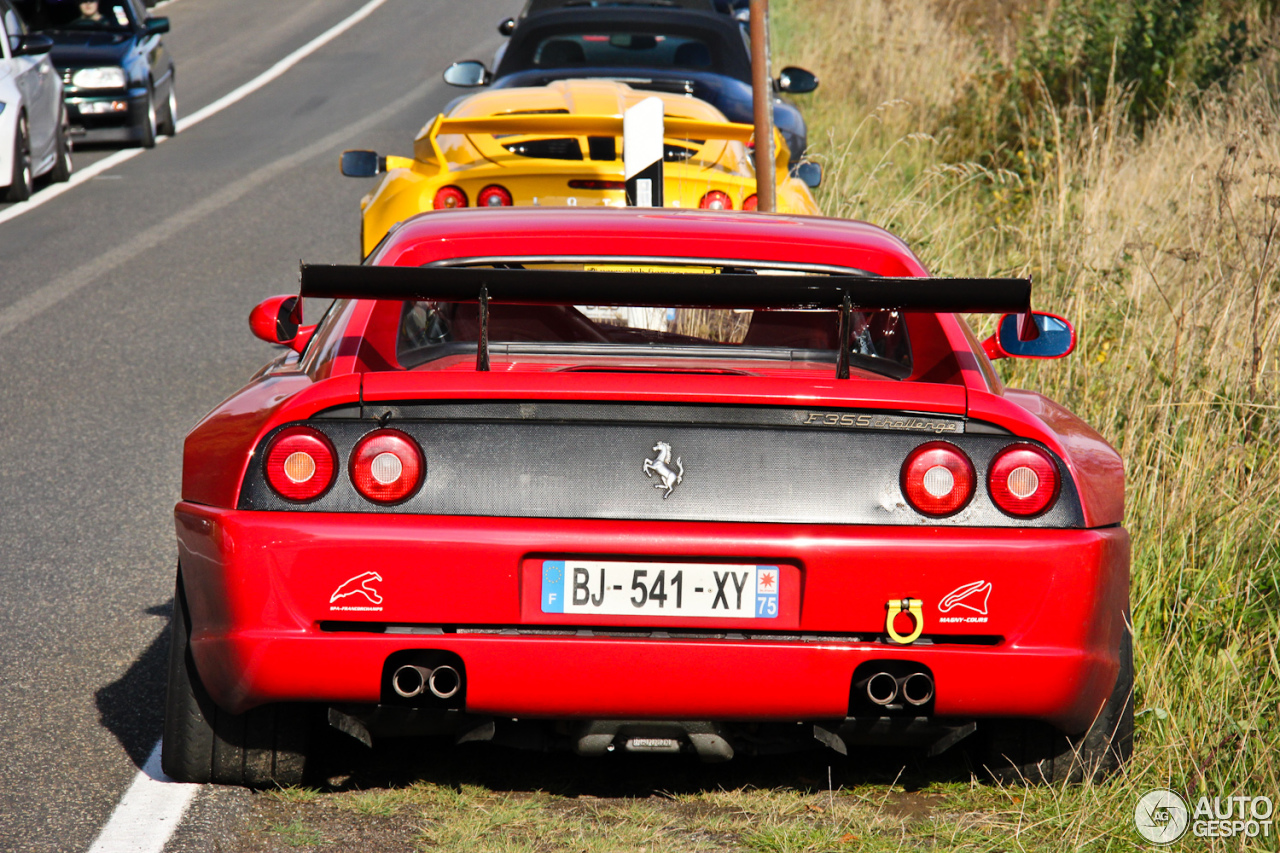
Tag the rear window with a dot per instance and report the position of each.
(431, 330)
(623, 50)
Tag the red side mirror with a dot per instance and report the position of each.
(278, 321)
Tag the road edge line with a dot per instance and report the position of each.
(52, 191)
(241, 92)
(148, 813)
(46, 296)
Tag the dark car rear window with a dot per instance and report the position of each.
(623, 50)
(669, 42)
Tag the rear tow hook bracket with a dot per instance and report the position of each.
(914, 608)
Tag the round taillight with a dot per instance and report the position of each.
(1023, 480)
(449, 197)
(716, 200)
(299, 463)
(937, 479)
(493, 196)
(387, 466)
(751, 202)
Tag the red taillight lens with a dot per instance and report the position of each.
(387, 466)
(751, 203)
(449, 197)
(1024, 480)
(937, 479)
(716, 200)
(300, 463)
(493, 196)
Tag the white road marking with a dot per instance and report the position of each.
(151, 810)
(147, 814)
(52, 191)
(43, 298)
(280, 67)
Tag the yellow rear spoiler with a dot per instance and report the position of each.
(571, 124)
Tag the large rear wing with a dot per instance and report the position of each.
(634, 288)
(573, 124)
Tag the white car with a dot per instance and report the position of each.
(34, 137)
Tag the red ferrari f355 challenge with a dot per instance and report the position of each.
(626, 480)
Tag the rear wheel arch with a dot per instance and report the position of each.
(1030, 752)
(264, 747)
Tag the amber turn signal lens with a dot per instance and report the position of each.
(299, 463)
(1024, 480)
(387, 466)
(449, 197)
(938, 479)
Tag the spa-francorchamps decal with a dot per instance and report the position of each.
(668, 477)
(971, 597)
(357, 589)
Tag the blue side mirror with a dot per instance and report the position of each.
(796, 81)
(809, 173)
(362, 164)
(468, 74)
(1053, 337)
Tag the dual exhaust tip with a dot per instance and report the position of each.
(445, 682)
(915, 688)
(442, 682)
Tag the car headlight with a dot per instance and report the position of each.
(99, 78)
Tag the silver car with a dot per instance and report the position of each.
(34, 138)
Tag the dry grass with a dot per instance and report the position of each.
(1165, 252)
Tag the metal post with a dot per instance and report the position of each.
(846, 330)
(482, 342)
(762, 89)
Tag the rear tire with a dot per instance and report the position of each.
(63, 167)
(169, 126)
(264, 747)
(22, 182)
(1029, 752)
(149, 121)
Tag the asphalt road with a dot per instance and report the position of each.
(123, 308)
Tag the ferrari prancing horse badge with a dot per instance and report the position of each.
(668, 477)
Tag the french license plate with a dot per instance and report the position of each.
(660, 589)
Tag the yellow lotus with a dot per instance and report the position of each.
(561, 145)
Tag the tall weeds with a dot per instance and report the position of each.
(1160, 239)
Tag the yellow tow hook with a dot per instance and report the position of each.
(913, 606)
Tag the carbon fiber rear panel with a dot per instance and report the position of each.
(587, 461)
